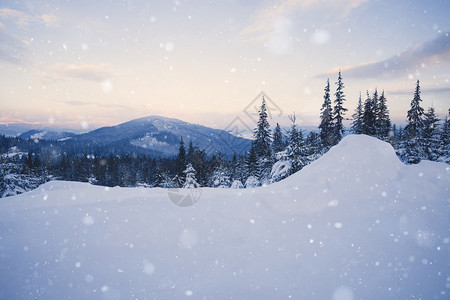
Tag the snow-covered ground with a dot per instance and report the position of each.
(355, 224)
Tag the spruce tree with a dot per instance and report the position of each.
(262, 141)
(415, 116)
(181, 159)
(431, 123)
(383, 122)
(415, 147)
(326, 118)
(339, 110)
(261, 133)
(191, 181)
(368, 124)
(190, 152)
(358, 118)
(431, 138)
(277, 144)
(251, 162)
(375, 103)
(295, 151)
(445, 139)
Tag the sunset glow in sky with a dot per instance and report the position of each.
(85, 64)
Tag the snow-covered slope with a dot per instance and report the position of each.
(355, 224)
(46, 135)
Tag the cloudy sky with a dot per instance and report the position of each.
(85, 64)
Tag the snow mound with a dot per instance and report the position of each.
(355, 224)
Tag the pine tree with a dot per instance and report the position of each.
(415, 116)
(221, 178)
(190, 152)
(357, 123)
(191, 181)
(383, 122)
(415, 148)
(431, 138)
(158, 177)
(339, 110)
(251, 162)
(261, 133)
(326, 118)
(368, 124)
(445, 139)
(431, 124)
(113, 170)
(375, 103)
(295, 151)
(277, 144)
(181, 162)
(262, 141)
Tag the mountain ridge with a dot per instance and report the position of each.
(162, 134)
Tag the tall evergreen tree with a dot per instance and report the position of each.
(326, 118)
(431, 123)
(251, 162)
(113, 170)
(383, 122)
(368, 116)
(261, 133)
(415, 115)
(190, 152)
(339, 110)
(277, 144)
(181, 159)
(375, 103)
(357, 124)
(295, 151)
(431, 137)
(445, 138)
(262, 143)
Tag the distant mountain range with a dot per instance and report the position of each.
(46, 135)
(156, 135)
(16, 129)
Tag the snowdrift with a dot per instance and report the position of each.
(355, 224)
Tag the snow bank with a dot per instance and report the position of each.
(355, 224)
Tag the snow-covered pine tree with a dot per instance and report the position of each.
(295, 151)
(261, 134)
(251, 162)
(277, 144)
(368, 124)
(262, 143)
(190, 181)
(158, 177)
(445, 140)
(312, 146)
(339, 110)
(431, 139)
(190, 152)
(414, 148)
(383, 122)
(239, 168)
(221, 178)
(357, 122)
(375, 102)
(180, 163)
(431, 123)
(326, 119)
(415, 116)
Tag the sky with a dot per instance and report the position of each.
(86, 64)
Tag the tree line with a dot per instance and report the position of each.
(271, 157)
